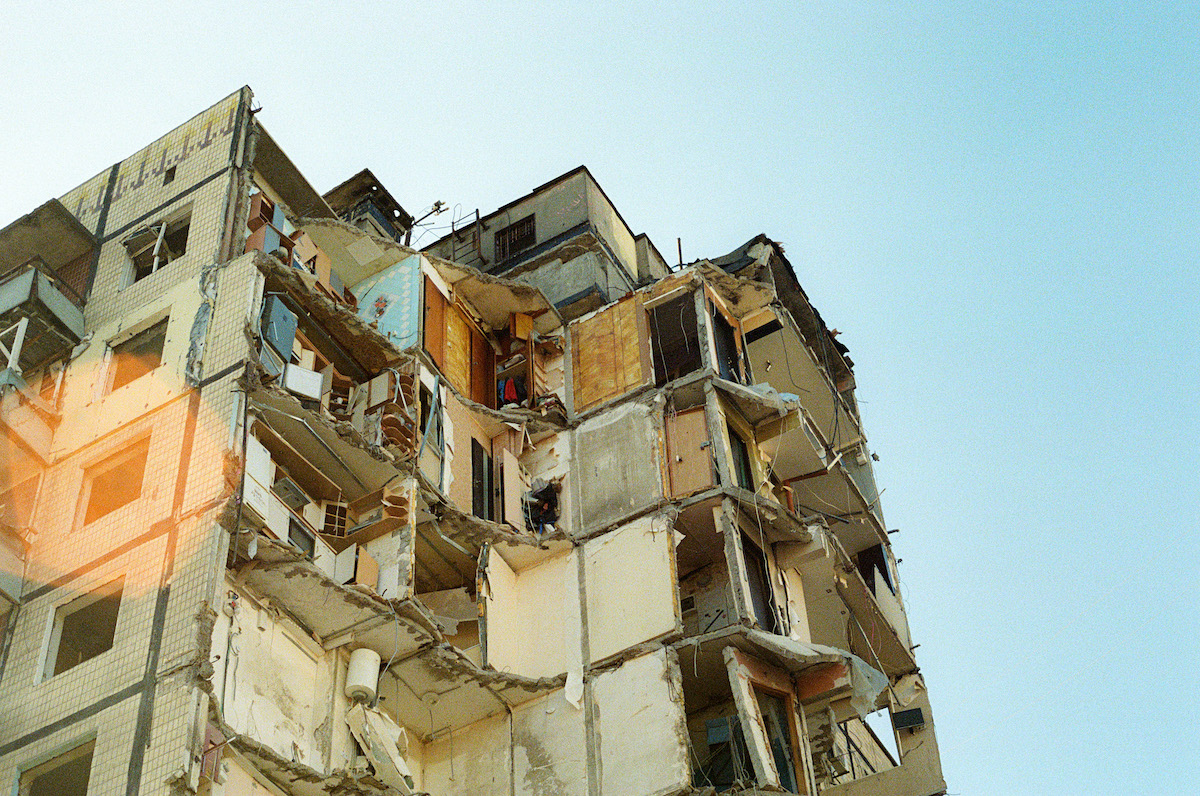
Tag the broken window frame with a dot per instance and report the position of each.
(110, 465)
(764, 679)
(127, 360)
(28, 784)
(763, 605)
(113, 590)
(658, 316)
(153, 247)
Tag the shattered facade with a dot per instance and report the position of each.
(291, 507)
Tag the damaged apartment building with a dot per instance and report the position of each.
(290, 507)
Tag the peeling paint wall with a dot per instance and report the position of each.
(550, 751)
(278, 689)
(471, 762)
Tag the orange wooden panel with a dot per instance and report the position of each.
(689, 459)
(483, 370)
(458, 351)
(435, 324)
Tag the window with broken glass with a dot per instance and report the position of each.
(153, 247)
(65, 775)
(114, 482)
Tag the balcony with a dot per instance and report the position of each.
(876, 631)
(44, 260)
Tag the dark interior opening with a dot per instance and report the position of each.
(674, 339)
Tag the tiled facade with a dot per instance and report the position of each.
(572, 552)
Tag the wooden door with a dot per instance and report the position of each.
(689, 452)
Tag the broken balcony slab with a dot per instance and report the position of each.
(49, 233)
(26, 425)
(371, 350)
(333, 613)
(439, 690)
(833, 585)
(287, 181)
(40, 319)
(780, 357)
(835, 495)
(702, 658)
(342, 459)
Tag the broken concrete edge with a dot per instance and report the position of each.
(449, 270)
(373, 351)
(497, 682)
(281, 557)
(290, 776)
(344, 429)
(795, 657)
(474, 530)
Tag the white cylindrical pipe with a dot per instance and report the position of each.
(362, 675)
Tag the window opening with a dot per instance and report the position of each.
(482, 501)
(725, 338)
(675, 339)
(762, 600)
(84, 628)
(169, 175)
(152, 247)
(774, 710)
(300, 538)
(66, 775)
(870, 561)
(515, 237)
(728, 761)
(743, 474)
(138, 355)
(115, 482)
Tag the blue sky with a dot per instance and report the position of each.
(996, 204)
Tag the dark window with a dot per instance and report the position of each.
(761, 598)
(115, 482)
(728, 759)
(169, 175)
(874, 559)
(65, 775)
(774, 711)
(674, 339)
(725, 337)
(152, 247)
(515, 237)
(481, 481)
(85, 627)
(138, 355)
(742, 472)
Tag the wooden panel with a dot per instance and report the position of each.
(689, 459)
(458, 351)
(483, 370)
(435, 323)
(607, 354)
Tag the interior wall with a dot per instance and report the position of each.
(526, 615)
(631, 566)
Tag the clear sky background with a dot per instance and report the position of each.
(997, 206)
